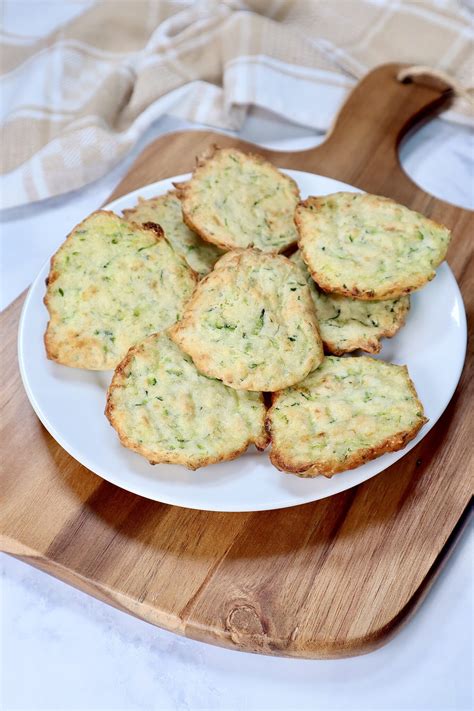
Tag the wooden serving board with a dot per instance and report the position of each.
(333, 578)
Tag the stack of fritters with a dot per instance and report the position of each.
(191, 301)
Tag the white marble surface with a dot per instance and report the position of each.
(64, 650)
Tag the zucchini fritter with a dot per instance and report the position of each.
(239, 200)
(368, 247)
(165, 410)
(251, 323)
(165, 210)
(111, 284)
(345, 413)
(346, 324)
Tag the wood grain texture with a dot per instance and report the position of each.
(333, 578)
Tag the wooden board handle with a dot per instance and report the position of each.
(362, 146)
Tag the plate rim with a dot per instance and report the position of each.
(84, 460)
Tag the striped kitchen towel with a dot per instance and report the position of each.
(75, 101)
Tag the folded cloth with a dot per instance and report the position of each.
(76, 100)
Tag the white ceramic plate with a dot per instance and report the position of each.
(70, 403)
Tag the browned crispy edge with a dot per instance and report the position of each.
(370, 345)
(170, 457)
(187, 318)
(158, 233)
(312, 469)
(184, 190)
(356, 293)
